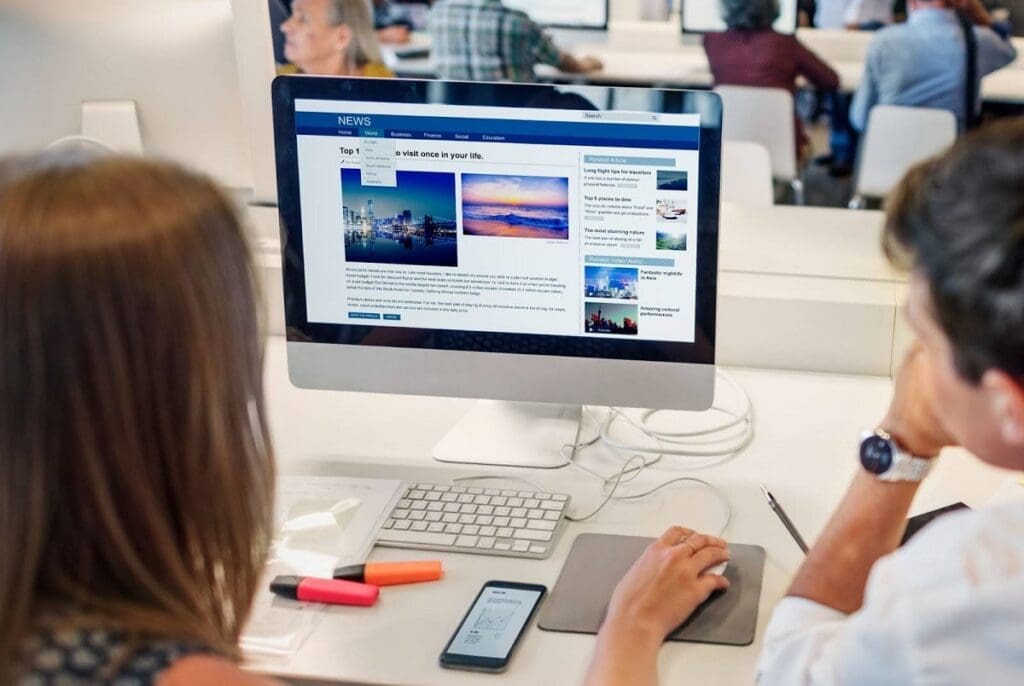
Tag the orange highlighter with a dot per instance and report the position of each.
(391, 573)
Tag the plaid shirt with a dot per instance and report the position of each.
(482, 40)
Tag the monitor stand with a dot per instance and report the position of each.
(512, 434)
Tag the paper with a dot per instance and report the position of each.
(320, 523)
(1011, 489)
(327, 522)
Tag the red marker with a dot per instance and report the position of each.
(333, 591)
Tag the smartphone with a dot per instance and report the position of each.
(918, 522)
(491, 629)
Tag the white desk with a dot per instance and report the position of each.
(641, 53)
(806, 427)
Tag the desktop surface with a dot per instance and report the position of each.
(804, 451)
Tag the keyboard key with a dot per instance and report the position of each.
(467, 541)
(535, 514)
(467, 519)
(465, 498)
(458, 489)
(515, 502)
(475, 491)
(388, 524)
(502, 545)
(435, 507)
(560, 496)
(520, 546)
(525, 494)
(492, 491)
(485, 509)
(517, 522)
(518, 512)
(541, 525)
(482, 500)
(532, 535)
(420, 505)
(501, 521)
(449, 497)
(453, 528)
(504, 532)
(499, 500)
(531, 503)
(425, 537)
(449, 518)
(551, 505)
(538, 549)
(419, 526)
(484, 520)
(433, 496)
(553, 516)
(486, 543)
(468, 509)
(471, 530)
(543, 496)
(433, 516)
(401, 524)
(435, 526)
(508, 493)
(503, 511)
(488, 531)
(417, 494)
(451, 507)
(425, 487)
(404, 503)
(400, 514)
(417, 515)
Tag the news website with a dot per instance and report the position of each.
(553, 222)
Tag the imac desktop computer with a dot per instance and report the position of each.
(535, 247)
(155, 77)
(705, 16)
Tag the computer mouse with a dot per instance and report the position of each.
(717, 569)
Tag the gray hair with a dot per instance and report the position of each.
(358, 16)
(750, 15)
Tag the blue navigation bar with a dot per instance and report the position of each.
(588, 133)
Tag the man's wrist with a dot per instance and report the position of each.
(910, 440)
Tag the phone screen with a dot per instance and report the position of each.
(491, 627)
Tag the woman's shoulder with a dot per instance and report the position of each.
(378, 70)
(209, 670)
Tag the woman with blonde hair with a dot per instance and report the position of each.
(136, 478)
(332, 38)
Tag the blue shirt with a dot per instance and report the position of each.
(923, 63)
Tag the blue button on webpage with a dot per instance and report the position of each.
(363, 315)
(393, 317)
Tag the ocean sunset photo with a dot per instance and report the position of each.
(515, 206)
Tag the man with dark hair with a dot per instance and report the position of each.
(923, 63)
(949, 606)
(482, 40)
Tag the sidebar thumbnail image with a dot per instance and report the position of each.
(610, 318)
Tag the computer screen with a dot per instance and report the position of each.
(573, 14)
(705, 16)
(174, 59)
(499, 241)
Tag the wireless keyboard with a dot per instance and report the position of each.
(485, 521)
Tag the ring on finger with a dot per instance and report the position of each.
(684, 541)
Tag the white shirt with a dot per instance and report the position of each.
(948, 608)
(838, 14)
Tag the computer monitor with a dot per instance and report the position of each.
(174, 59)
(501, 241)
(566, 14)
(705, 16)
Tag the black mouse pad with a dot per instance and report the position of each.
(597, 562)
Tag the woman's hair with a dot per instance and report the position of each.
(750, 15)
(958, 220)
(363, 49)
(136, 479)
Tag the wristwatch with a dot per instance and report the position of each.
(881, 455)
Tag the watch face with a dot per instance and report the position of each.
(876, 454)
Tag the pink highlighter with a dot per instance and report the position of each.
(332, 591)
